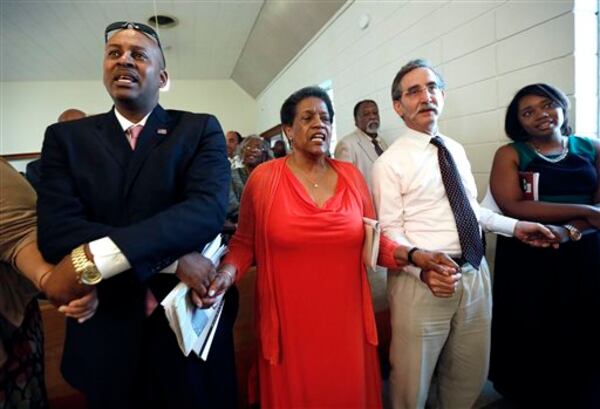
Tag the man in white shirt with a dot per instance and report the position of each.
(362, 146)
(440, 321)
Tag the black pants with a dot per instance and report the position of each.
(168, 379)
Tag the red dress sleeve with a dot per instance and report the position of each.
(387, 247)
(241, 245)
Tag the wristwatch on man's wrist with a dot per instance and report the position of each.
(573, 232)
(410, 255)
(87, 272)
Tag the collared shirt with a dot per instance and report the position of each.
(126, 123)
(107, 256)
(411, 200)
(357, 148)
(236, 162)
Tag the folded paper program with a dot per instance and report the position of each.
(371, 243)
(195, 327)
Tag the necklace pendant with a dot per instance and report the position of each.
(316, 185)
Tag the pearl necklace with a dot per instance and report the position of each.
(563, 154)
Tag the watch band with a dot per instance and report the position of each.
(574, 232)
(410, 255)
(87, 272)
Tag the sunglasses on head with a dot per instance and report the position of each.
(112, 28)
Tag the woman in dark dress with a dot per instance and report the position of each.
(547, 301)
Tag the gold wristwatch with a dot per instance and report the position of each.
(574, 233)
(87, 272)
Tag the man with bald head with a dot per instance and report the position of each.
(32, 171)
(127, 199)
(71, 114)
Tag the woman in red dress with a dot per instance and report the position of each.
(301, 222)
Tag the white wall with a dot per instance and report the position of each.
(486, 50)
(27, 108)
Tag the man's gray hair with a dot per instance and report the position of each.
(408, 67)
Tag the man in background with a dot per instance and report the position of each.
(234, 139)
(362, 146)
(71, 114)
(32, 171)
(278, 149)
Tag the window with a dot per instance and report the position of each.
(328, 86)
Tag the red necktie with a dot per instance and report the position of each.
(134, 133)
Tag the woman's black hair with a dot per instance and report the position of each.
(288, 109)
(513, 128)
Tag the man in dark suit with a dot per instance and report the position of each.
(32, 171)
(117, 207)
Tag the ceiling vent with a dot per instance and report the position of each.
(162, 21)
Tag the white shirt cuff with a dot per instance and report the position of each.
(110, 261)
(497, 223)
(108, 257)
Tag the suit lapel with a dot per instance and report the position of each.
(367, 146)
(112, 137)
(154, 132)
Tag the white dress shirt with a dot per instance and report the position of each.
(411, 200)
(107, 256)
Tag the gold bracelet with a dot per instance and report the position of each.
(39, 283)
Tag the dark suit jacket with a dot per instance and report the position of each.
(157, 203)
(32, 172)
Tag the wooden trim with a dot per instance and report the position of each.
(22, 156)
(271, 132)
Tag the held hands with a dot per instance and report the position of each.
(81, 309)
(561, 234)
(224, 279)
(536, 234)
(438, 271)
(61, 284)
(197, 272)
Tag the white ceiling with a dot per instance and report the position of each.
(247, 40)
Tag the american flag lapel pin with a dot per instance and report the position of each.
(161, 131)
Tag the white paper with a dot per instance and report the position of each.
(371, 242)
(194, 327)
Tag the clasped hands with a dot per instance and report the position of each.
(205, 282)
(80, 301)
(536, 234)
(438, 271)
(72, 298)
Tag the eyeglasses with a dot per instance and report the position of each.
(253, 149)
(112, 28)
(432, 88)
